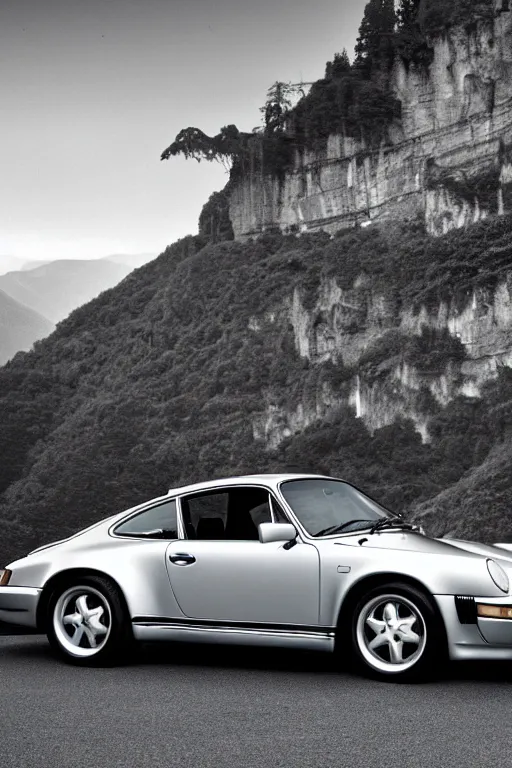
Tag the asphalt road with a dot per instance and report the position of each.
(209, 706)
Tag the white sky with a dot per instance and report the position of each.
(92, 91)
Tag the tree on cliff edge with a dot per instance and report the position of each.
(277, 106)
(375, 45)
(340, 67)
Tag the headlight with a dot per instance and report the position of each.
(5, 575)
(498, 575)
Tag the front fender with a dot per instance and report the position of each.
(343, 568)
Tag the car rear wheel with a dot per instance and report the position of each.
(87, 623)
(396, 634)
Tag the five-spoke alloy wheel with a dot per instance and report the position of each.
(82, 620)
(395, 632)
(87, 622)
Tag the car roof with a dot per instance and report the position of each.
(265, 480)
(261, 479)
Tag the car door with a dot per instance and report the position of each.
(222, 572)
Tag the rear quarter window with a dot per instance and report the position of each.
(159, 522)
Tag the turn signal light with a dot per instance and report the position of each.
(494, 611)
(5, 575)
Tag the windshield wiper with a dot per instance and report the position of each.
(388, 522)
(341, 527)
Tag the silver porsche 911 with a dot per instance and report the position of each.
(298, 561)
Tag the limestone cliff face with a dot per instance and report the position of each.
(343, 325)
(446, 159)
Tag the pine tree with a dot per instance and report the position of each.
(277, 106)
(374, 49)
(339, 67)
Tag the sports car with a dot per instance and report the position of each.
(290, 560)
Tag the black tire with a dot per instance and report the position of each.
(373, 617)
(101, 619)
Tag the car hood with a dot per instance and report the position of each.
(414, 541)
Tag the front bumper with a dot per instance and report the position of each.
(485, 639)
(18, 605)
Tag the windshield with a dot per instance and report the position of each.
(326, 506)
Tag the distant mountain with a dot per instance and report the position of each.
(57, 288)
(133, 260)
(16, 264)
(10, 263)
(26, 266)
(20, 327)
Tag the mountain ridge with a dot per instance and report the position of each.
(57, 287)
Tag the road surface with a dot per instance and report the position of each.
(200, 706)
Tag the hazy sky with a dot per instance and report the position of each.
(92, 91)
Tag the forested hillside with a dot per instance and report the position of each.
(162, 379)
(19, 327)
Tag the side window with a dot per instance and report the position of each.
(204, 516)
(159, 522)
(232, 514)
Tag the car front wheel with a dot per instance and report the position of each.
(87, 623)
(396, 634)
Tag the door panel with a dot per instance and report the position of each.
(246, 581)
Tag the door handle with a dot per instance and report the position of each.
(181, 558)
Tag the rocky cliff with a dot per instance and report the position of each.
(343, 325)
(446, 158)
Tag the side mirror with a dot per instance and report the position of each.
(276, 532)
